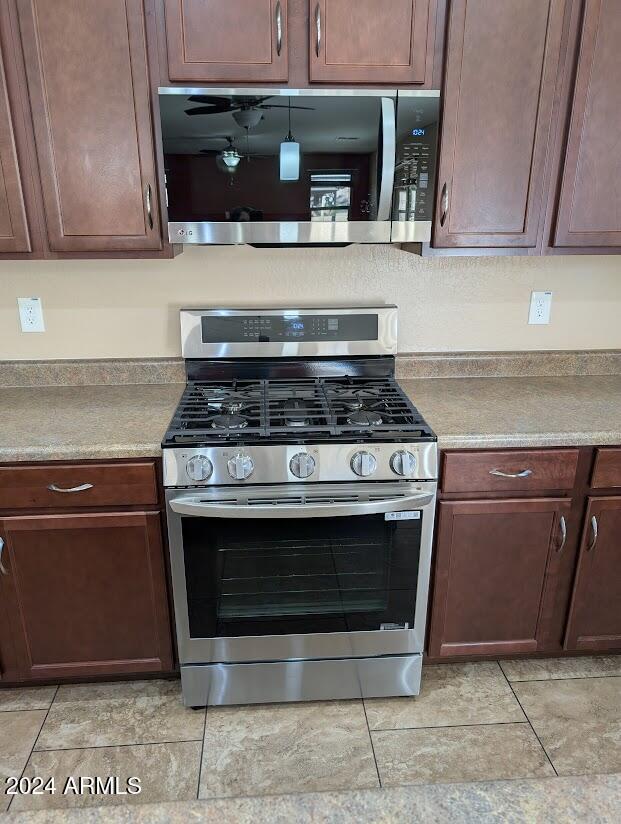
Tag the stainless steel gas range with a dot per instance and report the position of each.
(300, 488)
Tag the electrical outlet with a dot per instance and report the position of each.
(31, 314)
(540, 307)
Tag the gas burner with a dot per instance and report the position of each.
(232, 407)
(228, 422)
(365, 418)
(294, 411)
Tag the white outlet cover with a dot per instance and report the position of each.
(31, 314)
(540, 307)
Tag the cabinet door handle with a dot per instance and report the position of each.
(148, 206)
(445, 204)
(80, 488)
(278, 28)
(563, 527)
(3, 569)
(317, 29)
(525, 473)
(594, 534)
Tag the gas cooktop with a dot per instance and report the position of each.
(299, 410)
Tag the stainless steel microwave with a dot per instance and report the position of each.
(294, 167)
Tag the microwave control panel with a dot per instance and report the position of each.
(414, 179)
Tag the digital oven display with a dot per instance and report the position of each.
(269, 328)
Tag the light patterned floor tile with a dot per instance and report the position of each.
(286, 748)
(26, 698)
(167, 772)
(578, 722)
(451, 694)
(485, 753)
(134, 712)
(18, 732)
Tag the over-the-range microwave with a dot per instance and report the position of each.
(307, 166)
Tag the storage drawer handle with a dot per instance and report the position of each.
(563, 526)
(318, 29)
(80, 488)
(594, 534)
(3, 569)
(278, 28)
(525, 473)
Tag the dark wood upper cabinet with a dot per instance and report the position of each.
(215, 41)
(501, 68)
(589, 208)
(90, 99)
(370, 41)
(85, 594)
(14, 230)
(595, 614)
(496, 569)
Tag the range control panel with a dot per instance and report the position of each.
(293, 326)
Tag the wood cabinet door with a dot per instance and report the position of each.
(595, 613)
(501, 68)
(14, 233)
(214, 41)
(495, 575)
(370, 41)
(86, 594)
(89, 90)
(589, 209)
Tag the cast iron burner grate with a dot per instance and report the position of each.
(303, 409)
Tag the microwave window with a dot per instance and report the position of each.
(242, 158)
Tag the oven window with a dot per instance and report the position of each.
(280, 576)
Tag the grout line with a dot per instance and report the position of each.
(28, 709)
(366, 718)
(110, 746)
(528, 719)
(200, 763)
(34, 744)
(453, 726)
(554, 680)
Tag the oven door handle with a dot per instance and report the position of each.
(199, 507)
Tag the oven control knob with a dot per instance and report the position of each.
(199, 468)
(403, 462)
(302, 465)
(364, 464)
(241, 467)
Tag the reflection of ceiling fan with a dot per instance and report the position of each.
(227, 159)
(247, 111)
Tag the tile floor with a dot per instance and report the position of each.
(471, 722)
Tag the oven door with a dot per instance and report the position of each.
(278, 166)
(276, 573)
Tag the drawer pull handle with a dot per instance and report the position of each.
(80, 488)
(563, 526)
(3, 569)
(594, 534)
(525, 473)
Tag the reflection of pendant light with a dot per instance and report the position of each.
(289, 155)
(228, 159)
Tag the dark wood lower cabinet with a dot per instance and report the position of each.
(85, 595)
(595, 613)
(495, 575)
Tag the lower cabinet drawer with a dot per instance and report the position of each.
(607, 469)
(74, 486)
(519, 470)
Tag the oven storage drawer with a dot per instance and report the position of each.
(78, 485)
(224, 684)
(509, 471)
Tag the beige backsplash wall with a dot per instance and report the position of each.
(97, 309)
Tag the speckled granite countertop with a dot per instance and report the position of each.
(80, 422)
(53, 423)
(595, 799)
(520, 412)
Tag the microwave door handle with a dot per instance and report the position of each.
(389, 141)
(199, 507)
